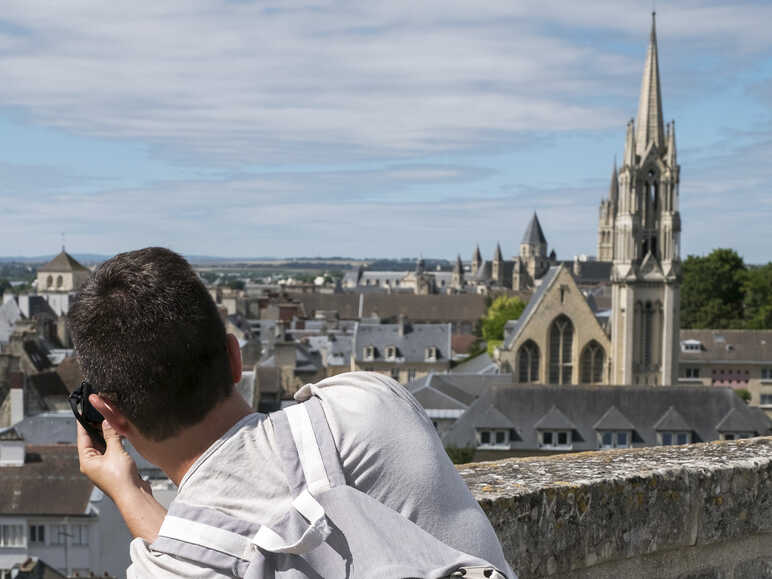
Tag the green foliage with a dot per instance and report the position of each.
(501, 310)
(744, 394)
(460, 455)
(236, 284)
(4, 285)
(720, 291)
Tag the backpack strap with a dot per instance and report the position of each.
(312, 466)
(310, 460)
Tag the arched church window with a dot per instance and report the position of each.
(591, 363)
(59, 281)
(528, 362)
(49, 281)
(648, 338)
(561, 342)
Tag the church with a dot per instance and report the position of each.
(560, 338)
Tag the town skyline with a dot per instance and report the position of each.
(381, 134)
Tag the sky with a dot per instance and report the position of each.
(369, 129)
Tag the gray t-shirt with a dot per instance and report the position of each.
(389, 449)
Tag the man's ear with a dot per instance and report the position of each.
(114, 416)
(234, 357)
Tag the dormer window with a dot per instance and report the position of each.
(691, 346)
(670, 438)
(391, 353)
(736, 435)
(369, 353)
(430, 354)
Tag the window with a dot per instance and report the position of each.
(668, 438)
(528, 362)
(494, 438)
(11, 535)
(391, 353)
(395, 373)
(59, 534)
(766, 373)
(37, 533)
(766, 399)
(561, 342)
(736, 435)
(592, 361)
(411, 374)
(692, 372)
(555, 439)
(59, 281)
(430, 354)
(614, 439)
(369, 353)
(49, 281)
(79, 534)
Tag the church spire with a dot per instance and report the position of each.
(649, 124)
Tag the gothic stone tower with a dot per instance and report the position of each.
(646, 271)
(607, 217)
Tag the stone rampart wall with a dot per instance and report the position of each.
(702, 511)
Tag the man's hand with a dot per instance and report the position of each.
(111, 469)
(116, 474)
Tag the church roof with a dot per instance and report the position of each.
(649, 124)
(534, 234)
(498, 256)
(533, 303)
(62, 262)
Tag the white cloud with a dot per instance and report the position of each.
(266, 82)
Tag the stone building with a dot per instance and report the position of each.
(59, 279)
(561, 338)
(405, 351)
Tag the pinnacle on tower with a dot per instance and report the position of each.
(613, 192)
(649, 124)
(498, 256)
(459, 267)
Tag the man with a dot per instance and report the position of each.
(151, 342)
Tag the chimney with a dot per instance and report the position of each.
(17, 405)
(403, 325)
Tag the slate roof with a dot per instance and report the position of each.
(480, 364)
(554, 420)
(464, 389)
(533, 304)
(672, 420)
(34, 568)
(492, 418)
(37, 354)
(70, 373)
(594, 272)
(49, 484)
(49, 388)
(730, 346)
(10, 433)
(613, 419)
(701, 408)
(734, 421)
(533, 234)
(427, 309)
(62, 262)
(484, 272)
(411, 347)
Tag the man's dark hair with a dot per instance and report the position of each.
(150, 339)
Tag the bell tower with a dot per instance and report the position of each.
(646, 272)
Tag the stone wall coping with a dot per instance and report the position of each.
(516, 476)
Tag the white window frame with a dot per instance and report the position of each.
(615, 439)
(765, 399)
(35, 529)
(12, 535)
(391, 353)
(766, 373)
(369, 353)
(58, 534)
(692, 372)
(554, 436)
(79, 533)
(493, 435)
(430, 354)
(673, 437)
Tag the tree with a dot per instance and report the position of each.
(236, 284)
(501, 310)
(712, 290)
(757, 297)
